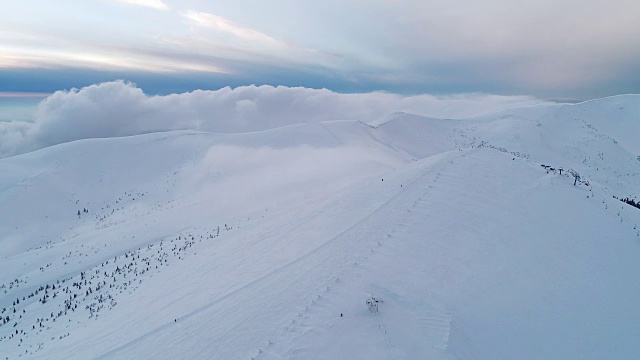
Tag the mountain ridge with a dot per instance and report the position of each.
(268, 244)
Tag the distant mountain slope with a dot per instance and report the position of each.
(118, 179)
(267, 245)
(616, 116)
(421, 136)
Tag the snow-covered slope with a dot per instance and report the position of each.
(267, 245)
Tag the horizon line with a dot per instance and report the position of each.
(18, 94)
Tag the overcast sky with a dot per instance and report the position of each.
(547, 48)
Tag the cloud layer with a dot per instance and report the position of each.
(561, 48)
(154, 4)
(121, 109)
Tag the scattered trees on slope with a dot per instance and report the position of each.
(629, 201)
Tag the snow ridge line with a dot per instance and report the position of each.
(363, 255)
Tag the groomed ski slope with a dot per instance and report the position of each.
(258, 242)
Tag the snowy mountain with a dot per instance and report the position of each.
(493, 235)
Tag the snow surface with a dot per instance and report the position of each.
(266, 245)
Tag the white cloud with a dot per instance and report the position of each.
(550, 48)
(213, 35)
(206, 43)
(15, 137)
(121, 109)
(538, 44)
(55, 53)
(92, 45)
(221, 24)
(154, 4)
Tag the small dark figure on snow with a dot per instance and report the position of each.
(341, 315)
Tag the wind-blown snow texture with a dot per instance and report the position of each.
(267, 244)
